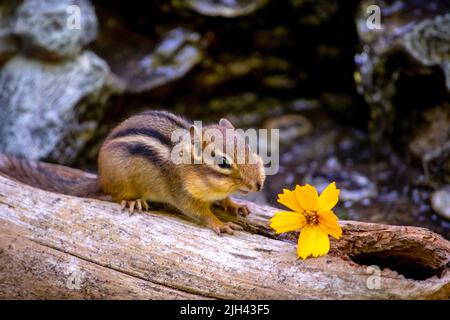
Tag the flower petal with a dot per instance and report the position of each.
(286, 221)
(328, 198)
(312, 241)
(322, 243)
(288, 199)
(307, 197)
(330, 221)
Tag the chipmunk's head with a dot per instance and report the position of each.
(228, 163)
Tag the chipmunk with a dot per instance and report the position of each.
(135, 168)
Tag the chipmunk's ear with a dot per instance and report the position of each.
(226, 123)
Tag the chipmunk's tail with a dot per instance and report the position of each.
(51, 177)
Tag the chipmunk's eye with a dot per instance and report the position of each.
(223, 163)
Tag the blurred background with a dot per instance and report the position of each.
(358, 103)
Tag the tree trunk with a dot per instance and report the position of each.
(57, 246)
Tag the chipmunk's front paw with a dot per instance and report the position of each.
(238, 209)
(138, 204)
(226, 227)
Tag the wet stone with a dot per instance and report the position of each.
(411, 49)
(177, 53)
(431, 144)
(45, 28)
(440, 202)
(291, 126)
(225, 8)
(40, 104)
(8, 45)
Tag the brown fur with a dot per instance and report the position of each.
(51, 177)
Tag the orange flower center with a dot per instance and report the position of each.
(311, 217)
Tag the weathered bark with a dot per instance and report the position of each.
(57, 246)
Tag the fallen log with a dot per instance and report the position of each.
(54, 246)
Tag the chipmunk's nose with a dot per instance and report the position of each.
(258, 186)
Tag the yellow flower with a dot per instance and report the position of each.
(312, 213)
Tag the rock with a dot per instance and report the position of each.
(43, 104)
(429, 43)
(400, 60)
(225, 8)
(279, 81)
(256, 108)
(320, 155)
(291, 126)
(172, 58)
(49, 28)
(440, 202)
(302, 104)
(229, 68)
(339, 103)
(434, 133)
(7, 44)
(322, 11)
(431, 144)
(354, 186)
